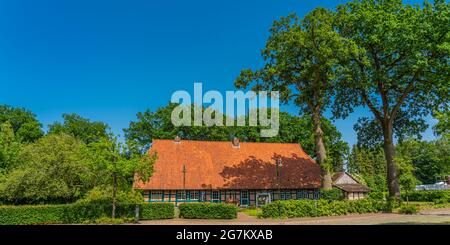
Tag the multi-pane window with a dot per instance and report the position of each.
(181, 195)
(285, 195)
(302, 194)
(194, 195)
(156, 195)
(215, 196)
(316, 194)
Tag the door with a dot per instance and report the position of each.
(244, 198)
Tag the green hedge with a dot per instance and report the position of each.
(312, 208)
(78, 213)
(30, 215)
(157, 211)
(427, 196)
(208, 211)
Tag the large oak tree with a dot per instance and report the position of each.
(402, 65)
(301, 56)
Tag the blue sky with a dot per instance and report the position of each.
(108, 60)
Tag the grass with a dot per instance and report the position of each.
(251, 211)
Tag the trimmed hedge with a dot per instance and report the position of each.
(157, 211)
(59, 214)
(31, 215)
(312, 208)
(78, 213)
(427, 196)
(208, 211)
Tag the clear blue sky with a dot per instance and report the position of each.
(108, 60)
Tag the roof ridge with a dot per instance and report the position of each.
(226, 141)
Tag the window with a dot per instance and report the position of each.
(156, 196)
(285, 195)
(193, 195)
(215, 196)
(181, 195)
(302, 194)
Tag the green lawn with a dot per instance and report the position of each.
(251, 211)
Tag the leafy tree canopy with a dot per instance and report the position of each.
(81, 128)
(23, 122)
(53, 170)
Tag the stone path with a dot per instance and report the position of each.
(435, 216)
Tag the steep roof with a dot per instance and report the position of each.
(220, 164)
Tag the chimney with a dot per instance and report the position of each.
(235, 142)
(177, 139)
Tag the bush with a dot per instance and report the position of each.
(408, 209)
(427, 196)
(157, 211)
(110, 221)
(333, 194)
(79, 213)
(311, 208)
(31, 215)
(208, 211)
(377, 195)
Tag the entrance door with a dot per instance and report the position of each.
(245, 201)
(262, 199)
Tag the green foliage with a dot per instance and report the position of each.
(80, 128)
(25, 126)
(110, 221)
(9, 149)
(52, 170)
(408, 209)
(51, 214)
(427, 196)
(157, 211)
(429, 160)
(102, 195)
(442, 127)
(312, 208)
(397, 71)
(370, 166)
(208, 211)
(331, 195)
(377, 195)
(81, 213)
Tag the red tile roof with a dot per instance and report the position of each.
(219, 164)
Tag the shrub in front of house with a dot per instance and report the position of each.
(60, 214)
(427, 196)
(31, 215)
(157, 211)
(208, 211)
(333, 194)
(312, 208)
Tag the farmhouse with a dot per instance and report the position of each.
(237, 172)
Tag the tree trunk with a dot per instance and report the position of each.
(114, 196)
(389, 153)
(321, 153)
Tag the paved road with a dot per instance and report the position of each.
(436, 216)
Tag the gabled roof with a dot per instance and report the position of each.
(219, 164)
(336, 176)
(353, 187)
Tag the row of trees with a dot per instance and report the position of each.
(77, 155)
(390, 57)
(64, 164)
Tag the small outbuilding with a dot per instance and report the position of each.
(350, 186)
